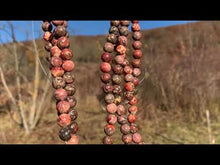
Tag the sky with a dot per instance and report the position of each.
(24, 29)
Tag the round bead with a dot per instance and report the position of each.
(122, 40)
(120, 110)
(115, 23)
(48, 46)
(47, 36)
(111, 119)
(129, 95)
(121, 49)
(125, 63)
(129, 78)
(129, 86)
(117, 99)
(73, 114)
(133, 109)
(54, 41)
(63, 106)
(60, 31)
(112, 38)
(137, 35)
(124, 30)
(122, 119)
(133, 128)
(116, 79)
(56, 61)
(64, 120)
(128, 69)
(109, 129)
(57, 71)
(125, 22)
(127, 139)
(72, 100)
(136, 63)
(136, 138)
(136, 72)
(125, 129)
(58, 82)
(108, 47)
(105, 67)
(68, 65)
(106, 77)
(70, 89)
(66, 54)
(137, 45)
(133, 101)
(111, 108)
(137, 53)
(107, 140)
(73, 127)
(73, 140)
(118, 69)
(60, 94)
(114, 30)
(136, 81)
(107, 88)
(57, 22)
(69, 77)
(64, 134)
(55, 51)
(46, 26)
(109, 98)
(106, 57)
(63, 42)
(119, 59)
(132, 118)
(135, 27)
(117, 89)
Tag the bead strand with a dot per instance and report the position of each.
(122, 50)
(61, 65)
(130, 86)
(110, 79)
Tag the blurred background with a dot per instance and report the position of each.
(178, 97)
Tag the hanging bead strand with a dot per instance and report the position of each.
(61, 65)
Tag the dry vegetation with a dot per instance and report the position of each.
(179, 95)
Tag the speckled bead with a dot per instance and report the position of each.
(105, 77)
(58, 82)
(111, 108)
(60, 31)
(122, 40)
(108, 47)
(135, 27)
(118, 69)
(112, 38)
(109, 129)
(121, 49)
(106, 57)
(72, 100)
(127, 139)
(73, 140)
(137, 45)
(115, 23)
(136, 72)
(117, 89)
(137, 35)
(125, 22)
(136, 63)
(122, 119)
(69, 77)
(107, 88)
(120, 110)
(111, 119)
(63, 120)
(109, 98)
(124, 30)
(114, 30)
(73, 114)
(70, 89)
(129, 78)
(108, 140)
(125, 129)
(136, 137)
(46, 26)
(116, 79)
